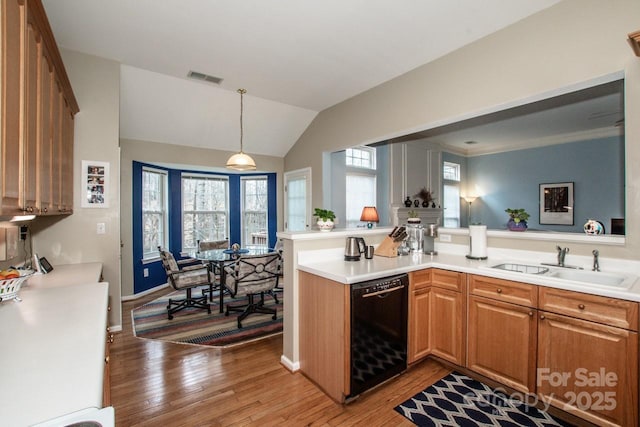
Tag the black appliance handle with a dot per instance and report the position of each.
(385, 291)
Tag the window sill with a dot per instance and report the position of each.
(605, 239)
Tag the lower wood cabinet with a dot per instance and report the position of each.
(502, 342)
(419, 345)
(437, 315)
(588, 355)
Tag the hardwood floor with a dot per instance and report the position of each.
(154, 383)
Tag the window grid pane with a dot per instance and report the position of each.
(451, 171)
(153, 212)
(204, 210)
(255, 202)
(360, 157)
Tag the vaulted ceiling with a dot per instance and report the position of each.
(294, 57)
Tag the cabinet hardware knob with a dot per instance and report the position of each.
(581, 306)
(531, 314)
(499, 290)
(106, 359)
(542, 316)
(45, 210)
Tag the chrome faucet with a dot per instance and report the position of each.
(596, 262)
(562, 252)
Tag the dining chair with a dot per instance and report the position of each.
(252, 276)
(207, 245)
(185, 278)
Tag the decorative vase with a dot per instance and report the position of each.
(414, 220)
(517, 226)
(416, 203)
(407, 202)
(593, 226)
(325, 225)
(433, 204)
(425, 203)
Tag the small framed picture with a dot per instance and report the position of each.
(95, 184)
(556, 203)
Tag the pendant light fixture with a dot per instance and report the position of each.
(241, 161)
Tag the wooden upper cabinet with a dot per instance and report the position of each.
(38, 108)
(11, 187)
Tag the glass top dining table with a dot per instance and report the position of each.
(217, 258)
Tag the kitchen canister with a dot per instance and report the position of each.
(477, 242)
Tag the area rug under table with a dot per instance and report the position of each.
(195, 326)
(457, 400)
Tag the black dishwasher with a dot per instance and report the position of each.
(378, 331)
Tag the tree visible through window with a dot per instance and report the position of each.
(205, 209)
(255, 202)
(154, 211)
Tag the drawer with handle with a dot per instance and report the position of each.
(504, 290)
(605, 310)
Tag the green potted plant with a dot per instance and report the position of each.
(517, 219)
(325, 219)
(412, 217)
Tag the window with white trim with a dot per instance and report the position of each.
(255, 203)
(205, 209)
(154, 212)
(361, 157)
(451, 194)
(360, 192)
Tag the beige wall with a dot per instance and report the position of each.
(73, 239)
(570, 43)
(151, 152)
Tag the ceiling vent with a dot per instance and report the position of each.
(204, 77)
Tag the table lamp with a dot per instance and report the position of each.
(370, 215)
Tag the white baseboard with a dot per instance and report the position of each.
(292, 366)
(141, 294)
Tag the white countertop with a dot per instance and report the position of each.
(331, 265)
(53, 347)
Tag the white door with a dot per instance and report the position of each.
(297, 201)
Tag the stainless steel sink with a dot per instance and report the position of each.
(620, 281)
(595, 278)
(522, 268)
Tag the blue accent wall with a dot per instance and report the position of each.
(157, 275)
(511, 180)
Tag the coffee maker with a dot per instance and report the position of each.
(430, 234)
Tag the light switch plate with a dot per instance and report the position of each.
(101, 228)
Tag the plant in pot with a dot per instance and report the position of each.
(426, 197)
(517, 219)
(413, 217)
(325, 219)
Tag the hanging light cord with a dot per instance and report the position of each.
(241, 92)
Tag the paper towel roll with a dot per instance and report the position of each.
(477, 241)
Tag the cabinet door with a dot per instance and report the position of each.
(66, 188)
(589, 369)
(56, 145)
(502, 342)
(419, 320)
(447, 325)
(31, 133)
(45, 146)
(11, 93)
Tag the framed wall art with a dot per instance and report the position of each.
(95, 184)
(556, 203)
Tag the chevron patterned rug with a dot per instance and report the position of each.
(195, 326)
(457, 400)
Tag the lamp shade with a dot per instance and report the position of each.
(241, 161)
(369, 214)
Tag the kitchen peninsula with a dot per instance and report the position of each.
(536, 317)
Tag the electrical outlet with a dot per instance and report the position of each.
(145, 272)
(445, 237)
(23, 232)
